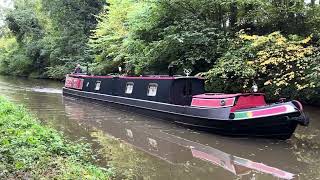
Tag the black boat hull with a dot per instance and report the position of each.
(277, 127)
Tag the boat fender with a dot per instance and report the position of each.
(282, 100)
(232, 116)
(303, 119)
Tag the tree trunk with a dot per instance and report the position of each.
(233, 14)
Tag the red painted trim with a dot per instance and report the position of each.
(86, 76)
(221, 96)
(217, 96)
(264, 112)
(130, 77)
(148, 78)
(216, 103)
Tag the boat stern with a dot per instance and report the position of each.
(252, 106)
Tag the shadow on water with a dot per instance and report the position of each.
(146, 148)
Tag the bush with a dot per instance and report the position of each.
(12, 58)
(279, 65)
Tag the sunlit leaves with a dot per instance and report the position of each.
(277, 63)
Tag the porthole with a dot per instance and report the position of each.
(222, 102)
(98, 85)
(129, 88)
(152, 89)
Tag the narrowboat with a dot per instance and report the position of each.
(182, 100)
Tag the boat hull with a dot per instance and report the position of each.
(277, 127)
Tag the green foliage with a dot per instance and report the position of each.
(71, 23)
(50, 35)
(13, 59)
(24, 24)
(31, 150)
(148, 36)
(279, 65)
(106, 43)
(145, 37)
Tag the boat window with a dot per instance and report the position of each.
(152, 89)
(88, 83)
(97, 88)
(129, 87)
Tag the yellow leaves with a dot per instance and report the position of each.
(263, 54)
(250, 62)
(304, 86)
(268, 61)
(281, 40)
(248, 37)
(291, 75)
(309, 50)
(286, 55)
(261, 40)
(275, 37)
(293, 47)
(269, 82)
(301, 87)
(280, 60)
(281, 82)
(306, 40)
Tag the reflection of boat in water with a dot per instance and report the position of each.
(171, 148)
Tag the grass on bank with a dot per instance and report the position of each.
(29, 150)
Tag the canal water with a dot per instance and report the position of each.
(141, 147)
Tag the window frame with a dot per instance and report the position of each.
(156, 90)
(95, 88)
(127, 85)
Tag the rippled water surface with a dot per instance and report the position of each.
(148, 148)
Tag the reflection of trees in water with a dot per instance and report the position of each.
(307, 150)
(128, 162)
(131, 163)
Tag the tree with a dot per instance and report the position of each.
(52, 35)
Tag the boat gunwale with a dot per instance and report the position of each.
(180, 106)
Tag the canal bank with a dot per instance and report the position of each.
(30, 150)
(152, 149)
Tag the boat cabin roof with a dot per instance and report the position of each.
(151, 77)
